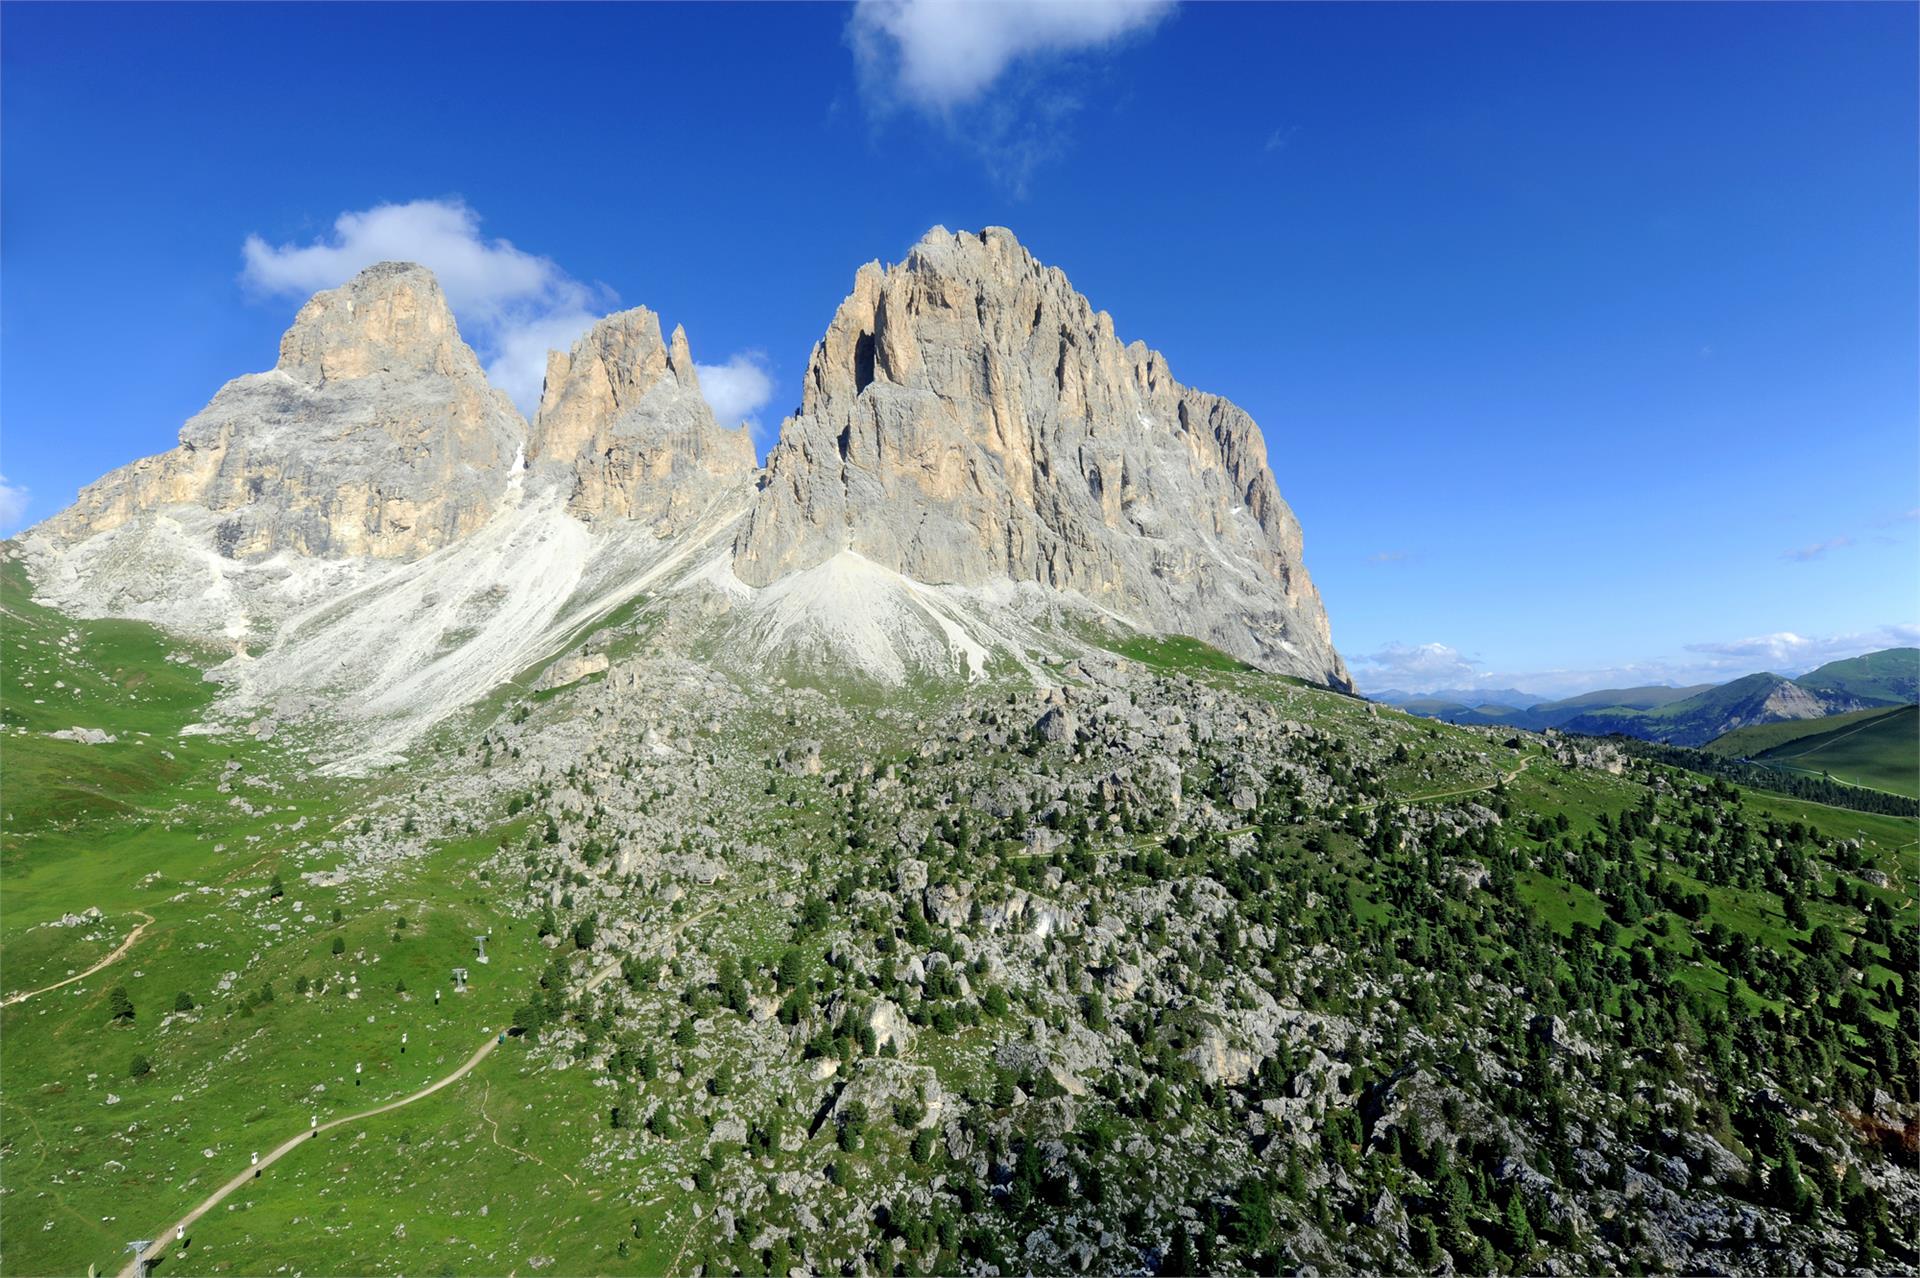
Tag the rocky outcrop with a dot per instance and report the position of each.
(376, 434)
(971, 419)
(622, 413)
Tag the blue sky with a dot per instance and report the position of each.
(1583, 337)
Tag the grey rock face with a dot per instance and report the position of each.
(624, 414)
(375, 435)
(970, 418)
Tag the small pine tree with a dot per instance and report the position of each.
(339, 946)
(140, 1068)
(183, 1002)
(1520, 1239)
(1426, 1243)
(1179, 1258)
(119, 1004)
(276, 889)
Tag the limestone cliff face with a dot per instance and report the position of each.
(969, 418)
(624, 413)
(375, 435)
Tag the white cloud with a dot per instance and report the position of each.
(738, 389)
(1417, 667)
(988, 73)
(941, 54)
(13, 507)
(512, 305)
(516, 353)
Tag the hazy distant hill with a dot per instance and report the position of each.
(1698, 719)
(1464, 698)
(1696, 715)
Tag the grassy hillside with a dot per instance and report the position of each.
(1891, 677)
(1881, 751)
(701, 900)
(1752, 742)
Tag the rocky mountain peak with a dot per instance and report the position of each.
(624, 412)
(376, 434)
(970, 418)
(392, 317)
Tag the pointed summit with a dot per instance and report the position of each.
(376, 434)
(623, 410)
(969, 419)
(680, 360)
(391, 317)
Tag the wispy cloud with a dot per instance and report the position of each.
(940, 58)
(13, 507)
(1388, 557)
(1818, 549)
(1788, 653)
(514, 306)
(1278, 139)
(1428, 666)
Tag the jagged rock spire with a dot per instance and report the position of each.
(624, 411)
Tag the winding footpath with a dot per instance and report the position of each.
(158, 1246)
(155, 1248)
(1506, 778)
(112, 958)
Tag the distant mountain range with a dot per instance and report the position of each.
(1688, 716)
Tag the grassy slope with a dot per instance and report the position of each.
(1881, 753)
(501, 1166)
(1891, 676)
(95, 1157)
(1751, 743)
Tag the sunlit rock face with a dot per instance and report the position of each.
(376, 434)
(623, 413)
(969, 418)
